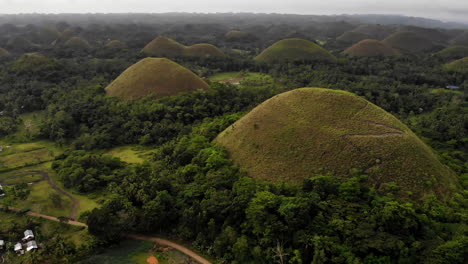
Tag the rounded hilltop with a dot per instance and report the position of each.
(409, 42)
(166, 47)
(116, 44)
(294, 50)
(454, 52)
(460, 66)
(77, 43)
(313, 131)
(370, 48)
(155, 76)
(461, 39)
(237, 35)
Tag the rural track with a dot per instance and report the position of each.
(156, 240)
(176, 246)
(45, 176)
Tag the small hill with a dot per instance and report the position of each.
(352, 37)
(166, 47)
(64, 36)
(409, 42)
(313, 131)
(454, 52)
(20, 43)
(47, 35)
(32, 62)
(370, 48)
(158, 76)
(432, 34)
(239, 36)
(4, 54)
(77, 43)
(116, 44)
(460, 66)
(294, 50)
(461, 39)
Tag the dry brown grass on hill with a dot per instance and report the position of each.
(155, 76)
(370, 48)
(314, 131)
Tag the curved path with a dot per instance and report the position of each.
(45, 176)
(156, 240)
(165, 242)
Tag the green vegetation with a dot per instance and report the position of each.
(308, 132)
(239, 36)
(294, 50)
(162, 46)
(249, 78)
(158, 77)
(461, 39)
(460, 66)
(454, 52)
(370, 48)
(409, 42)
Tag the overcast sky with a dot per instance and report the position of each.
(448, 10)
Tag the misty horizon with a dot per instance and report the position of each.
(447, 11)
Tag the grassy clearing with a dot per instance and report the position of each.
(445, 91)
(137, 252)
(313, 131)
(243, 78)
(130, 154)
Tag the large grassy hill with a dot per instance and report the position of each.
(314, 131)
(460, 66)
(294, 50)
(454, 52)
(409, 42)
(166, 47)
(370, 48)
(157, 76)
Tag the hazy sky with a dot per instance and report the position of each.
(453, 10)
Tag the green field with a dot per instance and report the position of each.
(136, 252)
(130, 154)
(247, 78)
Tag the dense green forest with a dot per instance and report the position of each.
(189, 188)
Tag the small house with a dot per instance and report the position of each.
(452, 87)
(28, 235)
(2, 244)
(18, 247)
(31, 245)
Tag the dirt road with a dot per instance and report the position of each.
(178, 247)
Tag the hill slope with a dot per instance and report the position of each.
(116, 44)
(166, 47)
(4, 53)
(77, 43)
(460, 65)
(160, 77)
(409, 42)
(314, 131)
(461, 39)
(370, 48)
(352, 37)
(455, 52)
(294, 50)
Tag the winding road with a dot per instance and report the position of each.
(159, 241)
